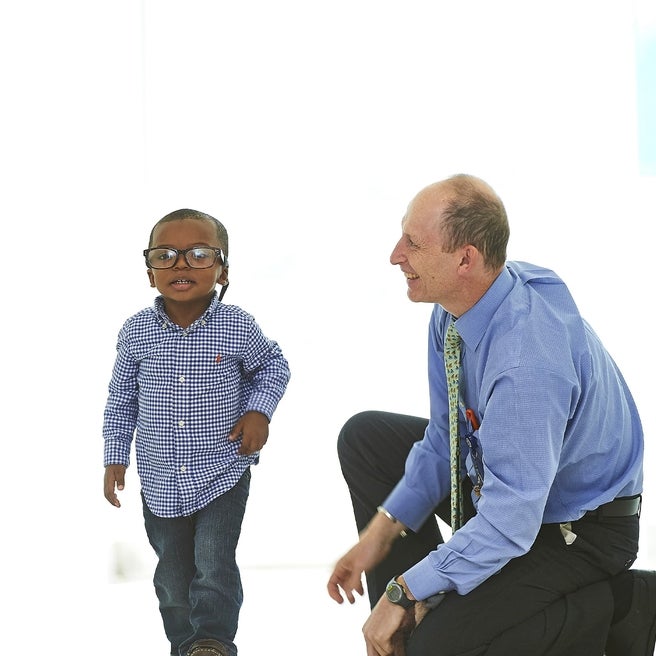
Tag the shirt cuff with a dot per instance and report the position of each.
(423, 582)
(410, 508)
(263, 403)
(116, 454)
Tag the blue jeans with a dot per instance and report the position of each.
(197, 580)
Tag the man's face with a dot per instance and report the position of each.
(431, 274)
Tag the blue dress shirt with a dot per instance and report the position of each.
(559, 431)
(183, 390)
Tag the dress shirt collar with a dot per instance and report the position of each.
(166, 321)
(472, 324)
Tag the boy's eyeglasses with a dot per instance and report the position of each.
(200, 257)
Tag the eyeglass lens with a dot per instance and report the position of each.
(196, 258)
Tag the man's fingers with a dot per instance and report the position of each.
(333, 591)
(336, 586)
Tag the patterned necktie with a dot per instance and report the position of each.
(452, 367)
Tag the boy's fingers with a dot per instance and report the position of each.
(114, 479)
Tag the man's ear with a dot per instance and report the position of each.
(469, 255)
(151, 277)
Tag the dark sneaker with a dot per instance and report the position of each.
(635, 633)
(207, 648)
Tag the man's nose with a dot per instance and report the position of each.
(397, 256)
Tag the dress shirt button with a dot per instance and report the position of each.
(181, 424)
(183, 469)
(181, 379)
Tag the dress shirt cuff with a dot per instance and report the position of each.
(408, 506)
(262, 403)
(423, 581)
(116, 452)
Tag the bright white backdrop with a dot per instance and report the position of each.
(306, 127)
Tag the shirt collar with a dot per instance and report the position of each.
(472, 324)
(161, 313)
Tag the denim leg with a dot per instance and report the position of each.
(197, 580)
(173, 542)
(215, 592)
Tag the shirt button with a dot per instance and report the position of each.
(181, 424)
(183, 469)
(181, 379)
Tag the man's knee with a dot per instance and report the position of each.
(353, 433)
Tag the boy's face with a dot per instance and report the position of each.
(181, 283)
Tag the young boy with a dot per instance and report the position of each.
(199, 382)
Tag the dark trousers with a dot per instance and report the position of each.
(555, 600)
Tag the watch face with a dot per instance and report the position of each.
(394, 592)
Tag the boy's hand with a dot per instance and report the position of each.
(253, 428)
(114, 480)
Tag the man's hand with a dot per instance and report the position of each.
(347, 575)
(387, 629)
(375, 542)
(114, 480)
(253, 428)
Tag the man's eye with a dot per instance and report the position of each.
(165, 256)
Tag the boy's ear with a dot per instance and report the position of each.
(223, 278)
(151, 277)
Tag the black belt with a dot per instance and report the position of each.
(620, 507)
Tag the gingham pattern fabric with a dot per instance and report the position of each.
(452, 367)
(183, 390)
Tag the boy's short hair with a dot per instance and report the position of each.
(182, 214)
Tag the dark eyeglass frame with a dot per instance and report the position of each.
(218, 253)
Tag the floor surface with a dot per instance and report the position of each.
(285, 612)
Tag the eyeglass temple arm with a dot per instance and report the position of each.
(224, 289)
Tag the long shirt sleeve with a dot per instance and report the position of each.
(180, 392)
(559, 431)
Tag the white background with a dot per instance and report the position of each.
(306, 127)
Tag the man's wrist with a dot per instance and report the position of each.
(382, 511)
(401, 581)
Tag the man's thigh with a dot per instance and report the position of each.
(523, 598)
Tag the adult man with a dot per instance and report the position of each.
(551, 463)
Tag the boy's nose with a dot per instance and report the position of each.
(181, 261)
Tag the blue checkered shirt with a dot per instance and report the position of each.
(183, 390)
